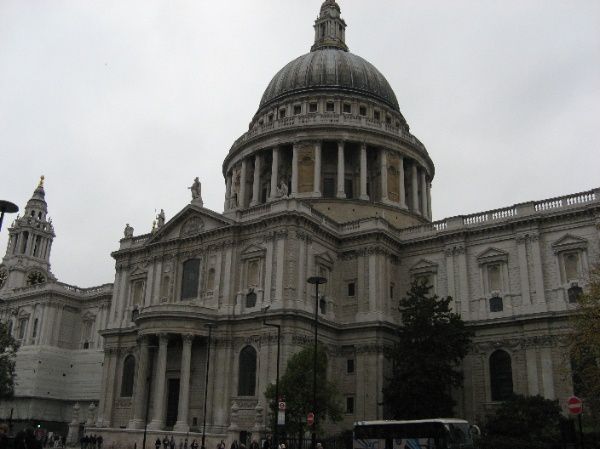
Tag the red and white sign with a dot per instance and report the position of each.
(575, 405)
(310, 418)
(281, 405)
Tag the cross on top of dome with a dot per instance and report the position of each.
(330, 28)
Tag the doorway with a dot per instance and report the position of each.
(172, 402)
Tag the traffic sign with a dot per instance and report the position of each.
(310, 418)
(575, 405)
(281, 405)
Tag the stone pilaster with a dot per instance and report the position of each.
(383, 170)
(424, 206)
(158, 420)
(182, 424)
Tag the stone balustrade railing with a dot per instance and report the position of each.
(60, 287)
(328, 119)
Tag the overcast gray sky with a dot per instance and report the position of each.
(121, 103)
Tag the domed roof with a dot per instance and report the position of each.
(330, 68)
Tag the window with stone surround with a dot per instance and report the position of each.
(571, 254)
(501, 380)
(350, 405)
(362, 110)
(377, 115)
(574, 293)
(137, 292)
(347, 108)
(128, 376)
(297, 109)
(190, 278)
(247, 372)
(22, 327)
(425, 271)
(313, 107)
(330, 106)
(350, 366)
(210, 280)
(282, 113)
(493, 271)
(351, 289)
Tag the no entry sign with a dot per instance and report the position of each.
(575, 405)
(310, 418)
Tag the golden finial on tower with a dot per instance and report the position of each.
(41, 184)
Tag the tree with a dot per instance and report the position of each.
(296, 386)
(525, 423)
(585, 345)
(432, 341)
(8, 348)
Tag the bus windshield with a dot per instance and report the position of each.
(421, 434)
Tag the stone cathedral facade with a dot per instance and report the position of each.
(327, 181)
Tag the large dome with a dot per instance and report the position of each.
(330, 68)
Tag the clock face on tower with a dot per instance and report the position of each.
(3, 277)
(35, 278)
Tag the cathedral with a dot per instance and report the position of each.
(328, 181)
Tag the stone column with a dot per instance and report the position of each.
(363, 172)
(524, 271)
(341, 171)
(383, 168)
(228, 193)
(401, 187)
(139, 405)
(182, 424)
(158, 421)
(295, 170)
(274, 172)
(424, 193)
(429, 213)
(242, 193)
(415, 188)
(256, 182)
(538, 272)
(317, 175)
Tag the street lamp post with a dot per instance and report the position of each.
(278, 327)
(8, 208)
(210, 327)
(316, 280)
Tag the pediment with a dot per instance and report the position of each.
(492, 255)
(424, 266)
(252, 251)
(325, 258)
(569, 242)
(191, 221)
(138, 271)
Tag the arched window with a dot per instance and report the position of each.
(501, 376)
(128, 377)
(251, 300)
(247, 372)
(190, 278)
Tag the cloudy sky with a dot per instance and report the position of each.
(121, 103)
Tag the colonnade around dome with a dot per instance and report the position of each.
(334, 169)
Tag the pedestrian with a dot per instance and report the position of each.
(221, 445)
(254, 445)
(166, 442)
(172, 442)
(82, 442)
(3, 436)
(99, 440)
(234, 445)
(185, 444)
(157, 443)
(267, 443)
(194, 444)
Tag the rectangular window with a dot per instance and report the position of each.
(270, 118)
(282, 113)
(351, 288)
(297, 109)
(362, 111)
(388, 120)
(350, 366)
(313, 107)
(330, 107)
(328, 187)
(392, 291)
(377, 115)
(22, 328)
(350, 405)
(347, 108)
(496, 304)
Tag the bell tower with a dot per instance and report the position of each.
(330, 28)
(27, 259)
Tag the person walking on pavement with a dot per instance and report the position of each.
(157, 443)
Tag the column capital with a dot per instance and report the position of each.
(163, 337)
(143, 340)
(187, 338)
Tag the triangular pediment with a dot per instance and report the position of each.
(190, 221)
(252, 250)
(569, 242)
(492, 253)
(424, 265)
